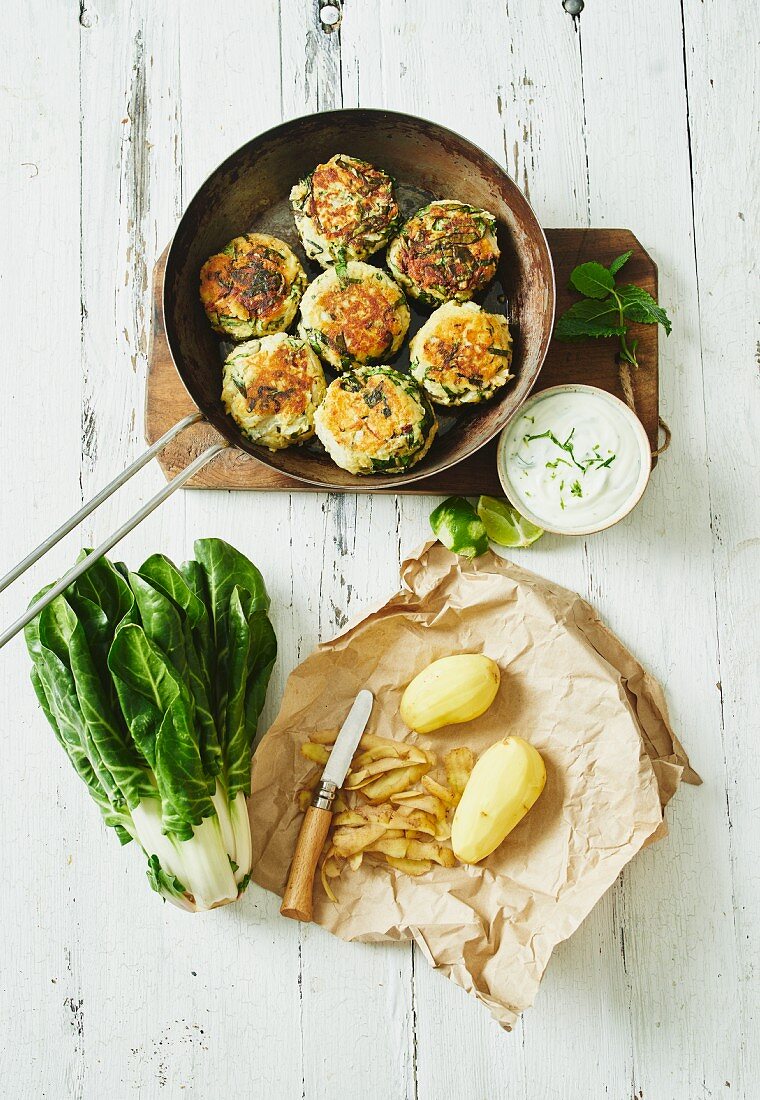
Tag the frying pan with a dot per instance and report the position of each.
(249, 192)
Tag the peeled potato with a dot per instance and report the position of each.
(451, 690)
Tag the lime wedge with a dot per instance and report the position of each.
(504, 525)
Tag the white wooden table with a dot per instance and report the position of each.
(639, 115)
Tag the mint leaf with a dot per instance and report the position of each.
(592, 279)
(640, 306)
(589, 318)
(619, 261)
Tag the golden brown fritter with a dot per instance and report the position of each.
(252, 287)
(375, 420)
(462, 354)
(446, 251)
(272, 388)
(345, 210)
(354, 313)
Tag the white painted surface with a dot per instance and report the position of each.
(642, 115)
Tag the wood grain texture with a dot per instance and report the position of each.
(591, 362)
(297, 901)
(641, 115)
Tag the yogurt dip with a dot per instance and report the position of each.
(574, 459)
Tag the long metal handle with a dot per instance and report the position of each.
(81, 567)
(104, 494)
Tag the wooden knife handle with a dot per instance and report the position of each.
(297, 900)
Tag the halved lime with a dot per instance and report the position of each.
(456, 524)
(504, 524)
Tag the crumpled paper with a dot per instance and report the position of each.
(568, 685)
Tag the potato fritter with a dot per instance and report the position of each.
(462, 355)
(252, 287)
(272, 388)
(446, 251)
(354, 313)
(345, 210)
(375, 420)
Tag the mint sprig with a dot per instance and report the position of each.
(609, 309)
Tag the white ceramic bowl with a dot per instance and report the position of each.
(638, 432)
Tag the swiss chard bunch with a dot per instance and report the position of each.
(153, 683)
(609, 309)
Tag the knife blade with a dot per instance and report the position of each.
(297, 900)
(339, 760)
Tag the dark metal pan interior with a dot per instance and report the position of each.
(249, 192)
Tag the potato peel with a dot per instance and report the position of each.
(318, 753)
(428, 803)
(413, 867)
(379, 790)
(324, 737)
(435, 788)
(458, 764)
(390, 807)
(348, 841)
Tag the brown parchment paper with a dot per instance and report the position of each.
(568, 685)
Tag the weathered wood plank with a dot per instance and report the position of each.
(336, 569)
(42, 961)
(502, 97)
(677, 942)
(723, 81)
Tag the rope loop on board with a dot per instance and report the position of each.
(624, 372)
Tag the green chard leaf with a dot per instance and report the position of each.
(589, 318)
(188, 594)
(237, 738)
(161, 881)
(153, 683)
(74, 689)
(224, 568)
(182, 783)
(251, 655)
(640, 306)
(264, 646)
(195, 578)
(61, 693)
(135, 661)
(144, 687)
(105, 585)
(201, 688)
(164, 575)
(592, 279)
(70, 738)
(161, 621)
(107, 732)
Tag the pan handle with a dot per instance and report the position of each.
(81, 567)
(98, 499)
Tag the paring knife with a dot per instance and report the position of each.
(297, 900)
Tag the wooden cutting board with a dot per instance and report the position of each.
(592, 362)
